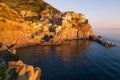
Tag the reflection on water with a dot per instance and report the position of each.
(42, 53)
(75, 49)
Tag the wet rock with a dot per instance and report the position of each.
(101, 41)
(108, 44)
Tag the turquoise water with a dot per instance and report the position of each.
(81, 60)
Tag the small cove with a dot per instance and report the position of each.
(81, 60)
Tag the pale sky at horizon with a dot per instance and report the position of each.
(100, 13)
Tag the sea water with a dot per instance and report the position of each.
(81, 60)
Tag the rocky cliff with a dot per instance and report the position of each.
(70, 31)
(74, 26)
(18, 24)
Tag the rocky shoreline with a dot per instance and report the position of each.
(56, 30)
(11, 68)
(101, 41)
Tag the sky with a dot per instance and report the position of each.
(100, 13)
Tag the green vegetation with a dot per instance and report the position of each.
(2, 70)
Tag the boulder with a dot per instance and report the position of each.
(108, 44)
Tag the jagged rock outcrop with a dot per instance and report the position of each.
(17, 70)
(25, 72)
(11, 68)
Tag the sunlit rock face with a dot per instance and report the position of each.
(16, 30)
(72, 33)
(74, 26)
(25, 72)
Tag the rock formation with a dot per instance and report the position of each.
(74, 26)
(11, 68)
(101, 41)
(70, 33)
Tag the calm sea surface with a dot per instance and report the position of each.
(81, 60)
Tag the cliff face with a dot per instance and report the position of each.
(75, 26)
(70, 33)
